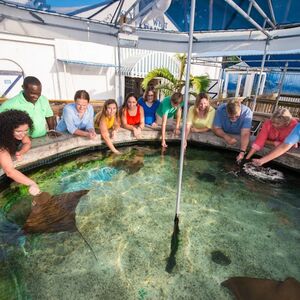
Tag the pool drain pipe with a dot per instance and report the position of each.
(171, 262)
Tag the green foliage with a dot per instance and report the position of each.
(171, 84)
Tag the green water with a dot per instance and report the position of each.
(127, 218)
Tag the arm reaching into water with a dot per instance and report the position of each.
(292, 139)
(281, 149)
(9, 169)
(105, 135)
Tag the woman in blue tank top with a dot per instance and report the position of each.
(150, 104)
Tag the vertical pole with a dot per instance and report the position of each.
(65, 75)
(260, 73)
(225, 84)
(238, 85)
(220, 83)
(120, 97)
(186, 99)
(280, 85)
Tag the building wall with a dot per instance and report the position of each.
(35, 57)
(40, 58)
(49, 60)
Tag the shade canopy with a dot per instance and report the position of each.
(222, 27)
(292, 61)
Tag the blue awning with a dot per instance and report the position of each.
(273, 61)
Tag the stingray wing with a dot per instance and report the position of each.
(53, 213)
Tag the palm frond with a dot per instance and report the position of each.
(158, 73)
(200, 83)
(167, 89)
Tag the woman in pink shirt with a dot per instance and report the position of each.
(274, 131)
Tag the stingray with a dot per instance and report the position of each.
(207, 177)
(130, 165)
(53, 213)
(246, 288)
(49, 214)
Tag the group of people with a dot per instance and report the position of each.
(29, 114)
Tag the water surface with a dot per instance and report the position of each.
(127, 218)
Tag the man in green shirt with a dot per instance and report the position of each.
(37, 106)
(167, 109)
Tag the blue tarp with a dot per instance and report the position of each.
(209, 15)
(274, 61)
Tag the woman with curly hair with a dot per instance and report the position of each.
(108, 122)
(14, 127)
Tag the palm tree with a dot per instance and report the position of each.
(171, 84)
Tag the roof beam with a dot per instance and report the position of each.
(262, 13)
(272, 11)
(247, 17)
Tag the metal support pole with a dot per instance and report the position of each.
(120, 97)
(186, 99)
(238, 85)
(260, 74)
(280, 85)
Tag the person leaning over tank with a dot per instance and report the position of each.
(132, 115)
(14, 141)
(274, 131)
(150, 104)
(200, 116)
(108, 122)
(233, 118)
(292, 139)
(78, 117)
(37, 106)
(166, 111)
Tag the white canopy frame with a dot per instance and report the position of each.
(30, 22)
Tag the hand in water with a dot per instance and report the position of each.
(34, 190)
(164, 144)
(240, 157)
(257, 162)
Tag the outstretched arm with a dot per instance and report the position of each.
(9, 169)
(178, 119)
(281, 149)
(105, 135)
(163, 131)
(245, 136)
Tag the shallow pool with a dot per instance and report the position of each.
(121, 243)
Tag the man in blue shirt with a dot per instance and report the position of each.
(292, 139)
(78, 117)
(233, 118)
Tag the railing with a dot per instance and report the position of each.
(290, 98)
(266, 106)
